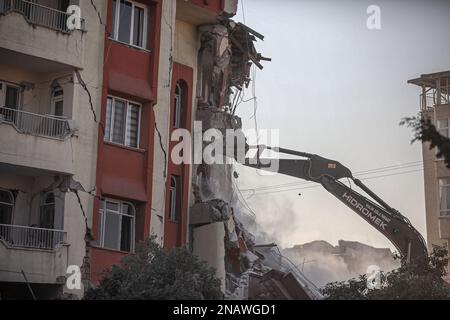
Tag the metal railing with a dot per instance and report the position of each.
(35, 124)
(31, 238)
(38, 14)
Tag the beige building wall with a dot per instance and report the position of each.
(39, 55)
(162, 118)
(85, 148)
(180, 44)
(438, 227)
(435, 105)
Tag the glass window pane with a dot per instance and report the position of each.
(447, 198)
(132, 125)
(114, 21)
(174, 198)
(443, 132)
(47, 216)
(6, 197)
(119, 122)
(442, 123)
(49, 198)
(176, 111)
(112, 225)
(127, 209)
(58, 93)
(444, 195)
(12, 97)
(125, 21)
(59, 110)
(126, 234)
(173, 204)
(5, 213)
(112, 206)
(138, 28)
(108, 119)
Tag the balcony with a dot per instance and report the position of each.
(40, 253)
(198, 12)
(37, 141)
(435, 89)
(36, 124)
(35, 30)
(31, 238)
(37, 14)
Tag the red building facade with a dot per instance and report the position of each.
(126, 134)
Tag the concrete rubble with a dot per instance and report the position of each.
(324, 263)
(226, 55)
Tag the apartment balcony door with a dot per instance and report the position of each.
(9, 95)
(9, 101)
(57, 103)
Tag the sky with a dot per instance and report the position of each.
(337, 89)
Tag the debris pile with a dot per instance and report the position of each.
(227, 53)
(324, 263)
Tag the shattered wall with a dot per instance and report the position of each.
(225, 56)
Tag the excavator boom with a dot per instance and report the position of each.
(391, 223)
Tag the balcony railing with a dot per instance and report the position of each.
(31, 238)
(38, 14)
(35, 124)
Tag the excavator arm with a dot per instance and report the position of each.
(391, 223)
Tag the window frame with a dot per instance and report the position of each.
(177, 106)
(444, 128)
(3, 89)
(116, 24)
(43, 204)
(443, 213)
(13, 204)
(102, 218)
(55, 99)
(111, 125)
(175, 199)
(438, 129)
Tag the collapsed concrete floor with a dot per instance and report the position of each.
(247, 271)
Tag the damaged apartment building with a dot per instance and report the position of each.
(86, 117)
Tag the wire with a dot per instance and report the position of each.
(357, 174)
(317, 186)
(244, 202)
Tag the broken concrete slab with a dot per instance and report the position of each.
(215, 210)
(217, 119)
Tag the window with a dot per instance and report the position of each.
(47, 211)
(63, 5)
(57, 102)
(12, 97)
(177, 106)
(129, 23)
(9, 96)
(174, 198)
(6, 207)
(444, 197)
(122, 122)
(443, 128)
(117, 225)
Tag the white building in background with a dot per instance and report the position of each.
(435, 104)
